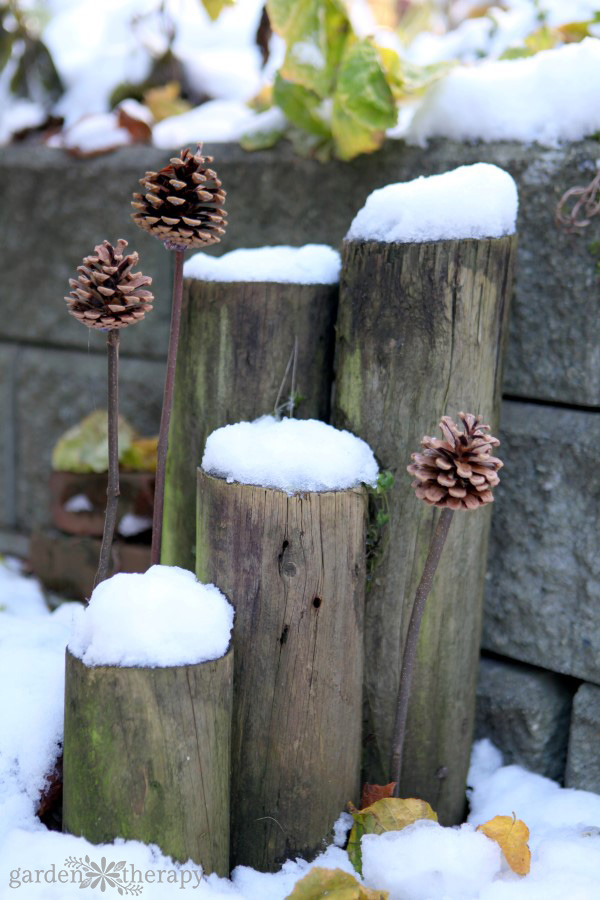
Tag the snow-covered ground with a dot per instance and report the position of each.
(422, 862)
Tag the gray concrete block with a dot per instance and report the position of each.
(277, 197)
(13, 543)
(54, 210)
(8, 474)
(583, 761)
(543, 583)
(55, 389)
(525, 712)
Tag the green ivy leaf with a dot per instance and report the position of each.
(301, 106)
(407, 80)
(261, 140)
(315, 32)
(35, 76)
(363, 103)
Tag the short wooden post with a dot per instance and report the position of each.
(146, 757)
(236, 341)
(293, 566)
(421, 332)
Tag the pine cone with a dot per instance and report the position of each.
(106, 293)
(457, 471)
(183, 206)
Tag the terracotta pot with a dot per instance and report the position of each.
(78, 500)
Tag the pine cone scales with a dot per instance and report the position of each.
(183, 203)
(106, 293)
(458, 471)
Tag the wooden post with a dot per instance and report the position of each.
(236, 341)
(146, 757)
(421, 332)
(294, 568)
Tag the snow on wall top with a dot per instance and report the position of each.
(311, 264)
(292, 455)
(161, 618)
(546, 98)
(469, 202)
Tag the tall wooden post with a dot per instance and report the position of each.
(146, 757)
(420, 333)
(293, 566)
(236, 341)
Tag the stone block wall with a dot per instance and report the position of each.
(542, 605)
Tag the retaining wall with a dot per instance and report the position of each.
(542, 605)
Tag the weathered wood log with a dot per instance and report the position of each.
(293, 566)
(146, 757)
(421, 332)
(235, 343)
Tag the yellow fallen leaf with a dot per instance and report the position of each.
(334, 884)
(389, 814)
(140, 455)
(166, 101)
(512, 836)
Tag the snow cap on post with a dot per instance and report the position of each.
(292, 455)
(478, 201)
(164, 617)
(311, 264)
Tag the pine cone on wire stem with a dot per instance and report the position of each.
(107, 294)
(183, 207)
(183, 203)
(457, 472)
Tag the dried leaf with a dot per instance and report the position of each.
(389, 814)
(512, 835)
(139, 130)
(371, 793)
(333, 884)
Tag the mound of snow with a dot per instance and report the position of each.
(161, 618)
(292, 455)
(475, 201)
(311, 264)
(546, 98)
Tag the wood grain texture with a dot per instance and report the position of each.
(235, 343)
(421, 332)
(294, 568)
(147, 756)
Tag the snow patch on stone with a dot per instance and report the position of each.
(547, 98)
(477, 201)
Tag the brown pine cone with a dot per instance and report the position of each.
(106, 293)
(458, 471)
(183, 203)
